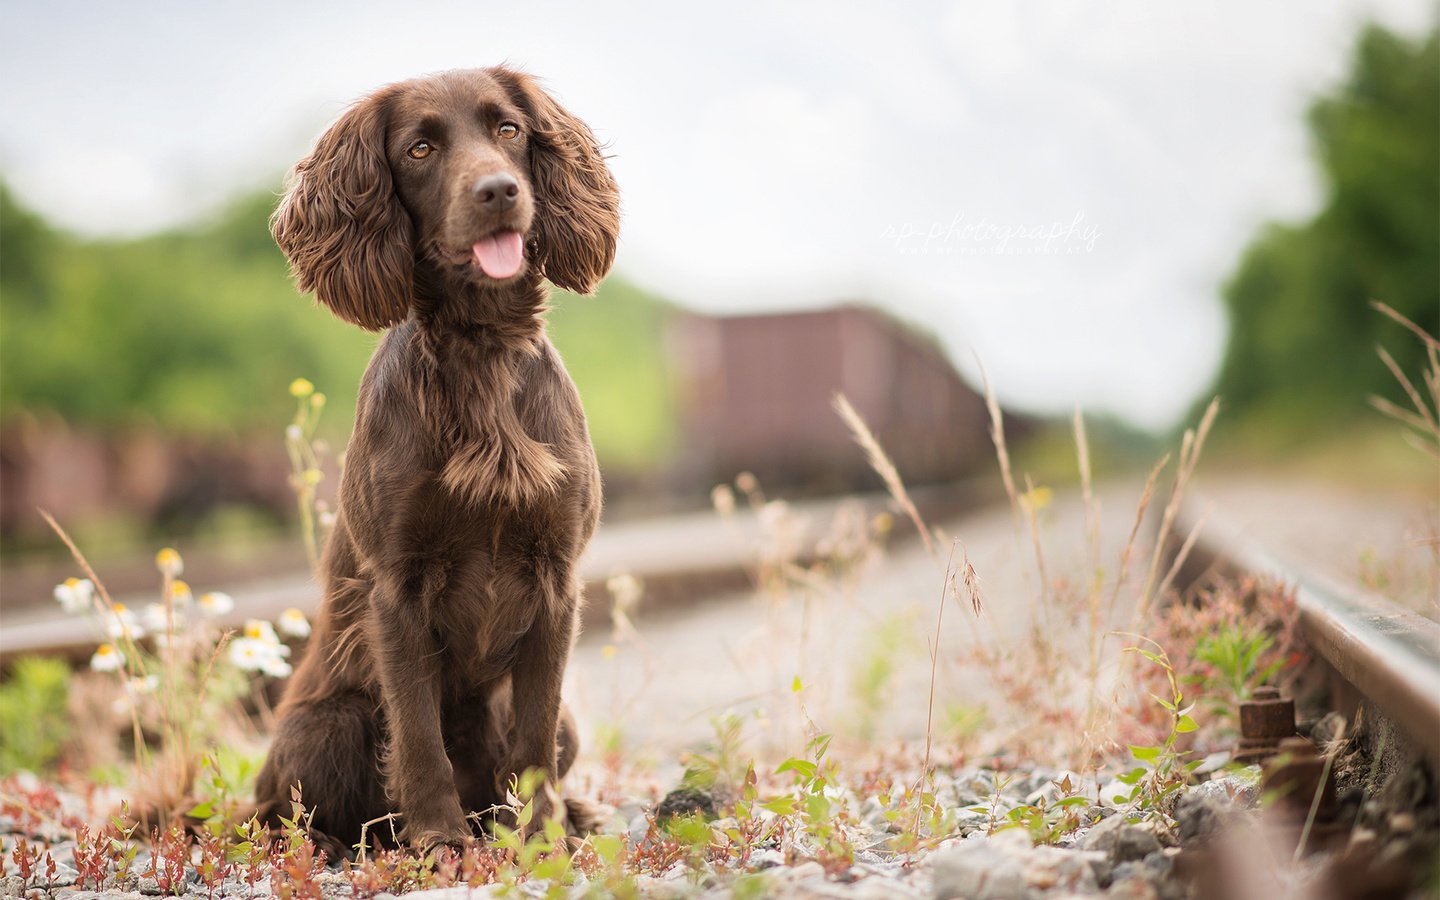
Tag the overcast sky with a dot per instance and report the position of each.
(1056, 188)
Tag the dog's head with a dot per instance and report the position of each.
(478, 174)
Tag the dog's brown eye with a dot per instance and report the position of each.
(420, 149)
(508, 130)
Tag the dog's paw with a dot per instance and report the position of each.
(583, 817)
(426, 830)
(429, 840)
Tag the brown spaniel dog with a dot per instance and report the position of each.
(436, 208)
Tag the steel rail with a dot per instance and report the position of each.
(1390, 655)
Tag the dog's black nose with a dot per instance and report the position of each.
(496, 192)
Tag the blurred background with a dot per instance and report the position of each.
(1127, 209)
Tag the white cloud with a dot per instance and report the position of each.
(770, 155)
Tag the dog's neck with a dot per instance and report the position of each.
(500, 316)
(479, 340)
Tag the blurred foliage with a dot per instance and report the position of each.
(201, 331)
(34, 724)
(1302, 334)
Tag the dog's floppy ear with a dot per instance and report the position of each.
(577, 205)
(343, 229)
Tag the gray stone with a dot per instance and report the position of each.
(1241, 788)
(1119, 840)
(1132, 843)
(1200, 816)
(1132, 887)
(1050, 868)
(979, 871)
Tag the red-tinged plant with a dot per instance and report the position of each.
(123, 845)
(92, 859)
(252, 852)
(295, 871)
(25, 859)
(480, 865)
(214, 867)
(170, 853)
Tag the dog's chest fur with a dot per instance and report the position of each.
(474, 399)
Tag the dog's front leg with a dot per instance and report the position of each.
(536, 680)
(418, 775)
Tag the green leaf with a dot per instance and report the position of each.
(803, 767)
(202, 810)
(1185, 724)
(781, 806)
(1145, 754)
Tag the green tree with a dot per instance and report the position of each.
(1302, 334)
(200, 331)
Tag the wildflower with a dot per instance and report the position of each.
(626, 589)
(248, 653)
(293, 623)
(215, 603)
(775, 515)
(327, 519)
(313, 477)
(723, 499)
(155, 618)
(135, 688)
(317, 400)
(169, 563)
(107, 659)
(275, 666)
(180, 595)
(262, 631)
(75, 594)
(301, 387)
(747, 482)
(257, 655)
(1037, 498)
(122, 623)
(294, 434)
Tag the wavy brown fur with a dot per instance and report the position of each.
(470, 486)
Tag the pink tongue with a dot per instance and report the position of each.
(500, 255)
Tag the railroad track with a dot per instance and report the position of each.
(1374, 653)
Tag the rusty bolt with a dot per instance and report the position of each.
(1295, 777)
(1265, 720)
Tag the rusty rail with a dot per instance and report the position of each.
(1389, 655)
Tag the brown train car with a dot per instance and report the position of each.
(755, 394)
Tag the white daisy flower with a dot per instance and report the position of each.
(249, 654)
(261, 630)
(180, 595)
(215, 603)
(276, 667)
(292, 623)
(107, 659)
(122, 623)
(255, 655)
(168, 561)
(155, 619)
(75, 594)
